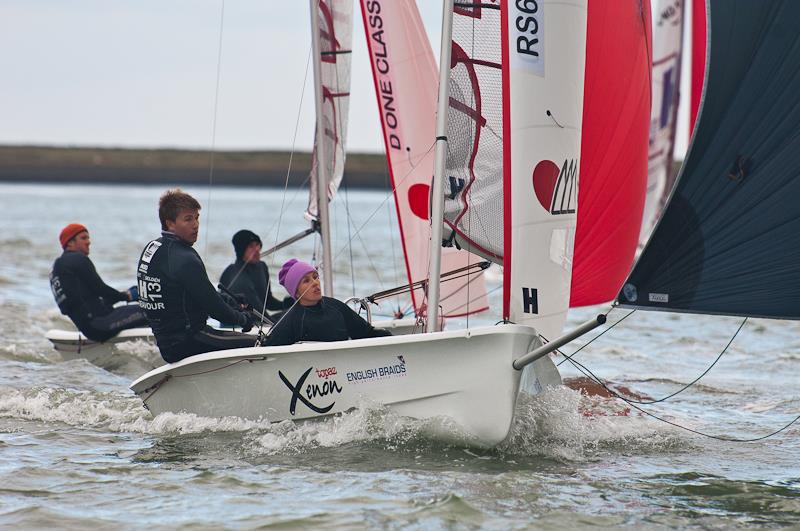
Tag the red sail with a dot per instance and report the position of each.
(614, 149)
(698, 58)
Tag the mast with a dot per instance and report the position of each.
(437, 190)
(323, 177)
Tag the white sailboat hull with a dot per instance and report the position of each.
(140, 342)
(136, 342)
(464, 376)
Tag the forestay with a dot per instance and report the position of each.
(616, 112)
(729, 239)
(335, 23)
(405, 75)
(667, 60)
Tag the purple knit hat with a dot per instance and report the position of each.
(292, 273)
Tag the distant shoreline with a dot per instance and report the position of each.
(51, 164)
(172, 167)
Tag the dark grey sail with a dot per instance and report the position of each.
(729, 239)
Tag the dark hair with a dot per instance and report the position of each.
(172, 202)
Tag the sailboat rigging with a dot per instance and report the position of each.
(465, 375)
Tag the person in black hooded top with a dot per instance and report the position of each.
(248, 276)
(82, 295)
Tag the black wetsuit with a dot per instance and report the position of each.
(251, 281)
(328, 320)
(82, 296)
(177, 297)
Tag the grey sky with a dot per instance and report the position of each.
(143, 73)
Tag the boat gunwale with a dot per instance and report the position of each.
(311, 346)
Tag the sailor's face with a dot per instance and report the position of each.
(309, 289)
(186, 225)
(253, 253)
(80, 243)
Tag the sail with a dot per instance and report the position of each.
(667, 58)
(699, 39)
(728, 241)
(544, 49)
(473, 207)
(406, 78)
(513, 139)
(335, 23)
(616, 114)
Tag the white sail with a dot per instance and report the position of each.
(546, 44)
(335, 26)
(667, 49)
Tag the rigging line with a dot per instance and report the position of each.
(349, 236)
(570, 356)
(685, 387)
(389, 195)
(369, 258)
(725, 438)
(291, 155)
(214, 124)
(665, 398)
(391, 225)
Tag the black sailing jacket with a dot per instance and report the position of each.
(175, 293)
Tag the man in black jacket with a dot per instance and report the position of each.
(83, 296)
(174, 290)
(248, 276)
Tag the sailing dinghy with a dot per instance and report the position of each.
(134, 342)
(508, 138)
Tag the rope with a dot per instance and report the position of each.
(636, 404)
(591, 340)
(214, 123)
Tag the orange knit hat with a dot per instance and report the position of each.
(69, 232)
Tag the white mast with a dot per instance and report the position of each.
(322, 170)
(437, 191)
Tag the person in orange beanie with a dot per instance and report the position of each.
(82, 295)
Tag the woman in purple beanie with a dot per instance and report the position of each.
(314, 317)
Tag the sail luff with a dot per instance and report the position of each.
(322, 173)
(506, 121)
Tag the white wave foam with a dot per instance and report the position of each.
(564, 424)
(108, 411)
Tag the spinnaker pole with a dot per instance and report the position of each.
(322, 170)
(437, 190)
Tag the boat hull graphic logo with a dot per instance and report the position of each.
(556, 188)
(312, 391)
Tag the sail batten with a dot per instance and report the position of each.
(729, 240)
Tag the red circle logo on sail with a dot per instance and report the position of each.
(418, 199)
(545, 177)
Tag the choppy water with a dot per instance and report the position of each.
(77, 449)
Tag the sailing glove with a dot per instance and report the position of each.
(245, 321)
